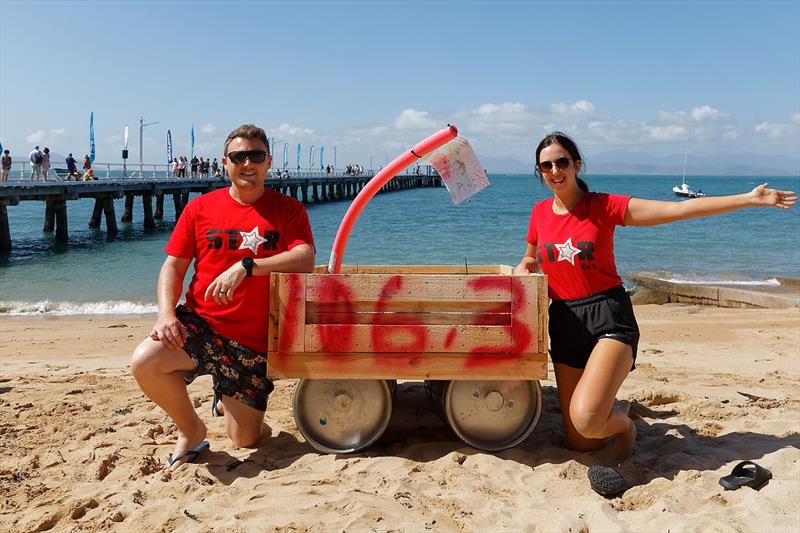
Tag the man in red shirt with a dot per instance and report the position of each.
(236, 237)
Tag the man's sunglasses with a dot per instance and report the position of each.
(561, 163)
(255, 156)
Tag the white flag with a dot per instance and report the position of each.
(462, 173)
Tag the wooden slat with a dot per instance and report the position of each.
(292, 311)
(544, 306)
(379, 339)
(274, 313)
(412, 306)
(419, 269)
(343, 317)
(400, 287)
(525, 309)
(408, 366)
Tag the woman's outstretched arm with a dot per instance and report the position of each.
(653, 212)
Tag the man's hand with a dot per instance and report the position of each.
(526, 266)
(170, 331)
(223, 287)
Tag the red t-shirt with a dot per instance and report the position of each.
(217, 231)
(576, 249)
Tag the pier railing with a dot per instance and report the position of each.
(21, 171)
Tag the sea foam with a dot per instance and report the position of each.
(47, 307)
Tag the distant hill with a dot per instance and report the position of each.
(635, 163)
(744, 164)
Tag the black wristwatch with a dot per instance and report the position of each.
(248, 264)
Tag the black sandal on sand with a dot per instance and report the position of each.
(746, 474)
(606, 481)
(214, 409)
(192, 454)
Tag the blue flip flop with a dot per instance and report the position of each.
(192, 454)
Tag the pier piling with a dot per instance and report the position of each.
(127, 212)
(147, 207)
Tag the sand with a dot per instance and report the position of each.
(81, 447)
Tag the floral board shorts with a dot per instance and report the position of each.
(238, 371)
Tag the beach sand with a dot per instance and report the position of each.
(81, 447)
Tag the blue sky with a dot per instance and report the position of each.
(373, 78)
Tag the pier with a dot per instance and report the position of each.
(56, 195)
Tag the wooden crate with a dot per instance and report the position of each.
(408, 322)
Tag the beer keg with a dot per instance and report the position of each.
(343, 415)
(488, 415)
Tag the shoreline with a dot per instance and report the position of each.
(648, 288)
(713, 386)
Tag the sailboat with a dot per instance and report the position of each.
(683, 189)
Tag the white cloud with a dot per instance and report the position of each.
(666, 133)
(57, 132)
(706, 112)
(293, 131)
(411, 119)
(780, 132)
(208, 129)
(36, 136)
(581, 107)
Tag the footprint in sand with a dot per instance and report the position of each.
(79, 510)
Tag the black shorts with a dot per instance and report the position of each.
(238, 371)
(577, 325)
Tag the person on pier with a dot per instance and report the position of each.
(6, 165)
(36, 157)
(72, 168)
(235, 237)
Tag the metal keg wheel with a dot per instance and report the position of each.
(343, 415)
(488, 415)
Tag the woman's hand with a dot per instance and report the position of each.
(224, 286)
(526, 266)
(766, 197)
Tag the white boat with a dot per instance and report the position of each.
(683, 189)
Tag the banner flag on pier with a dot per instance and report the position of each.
(192, 156)
(321, 157)
(462, 173)
(91, 137)
(285, 155)
(125, 145)
(169, 147)
(298, 156)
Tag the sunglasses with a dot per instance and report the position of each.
(255, 156)
(561, 163)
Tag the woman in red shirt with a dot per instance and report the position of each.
(593, 332)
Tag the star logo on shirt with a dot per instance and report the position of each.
(567, 252)
(251, 240)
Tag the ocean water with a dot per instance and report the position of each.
(92, 274)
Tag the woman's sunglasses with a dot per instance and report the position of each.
(561, 163)
(255, 156)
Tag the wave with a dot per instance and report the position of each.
(771, 282)
(47, 307)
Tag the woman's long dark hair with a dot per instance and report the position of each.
(567, 144)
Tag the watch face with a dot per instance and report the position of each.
(247, 262)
